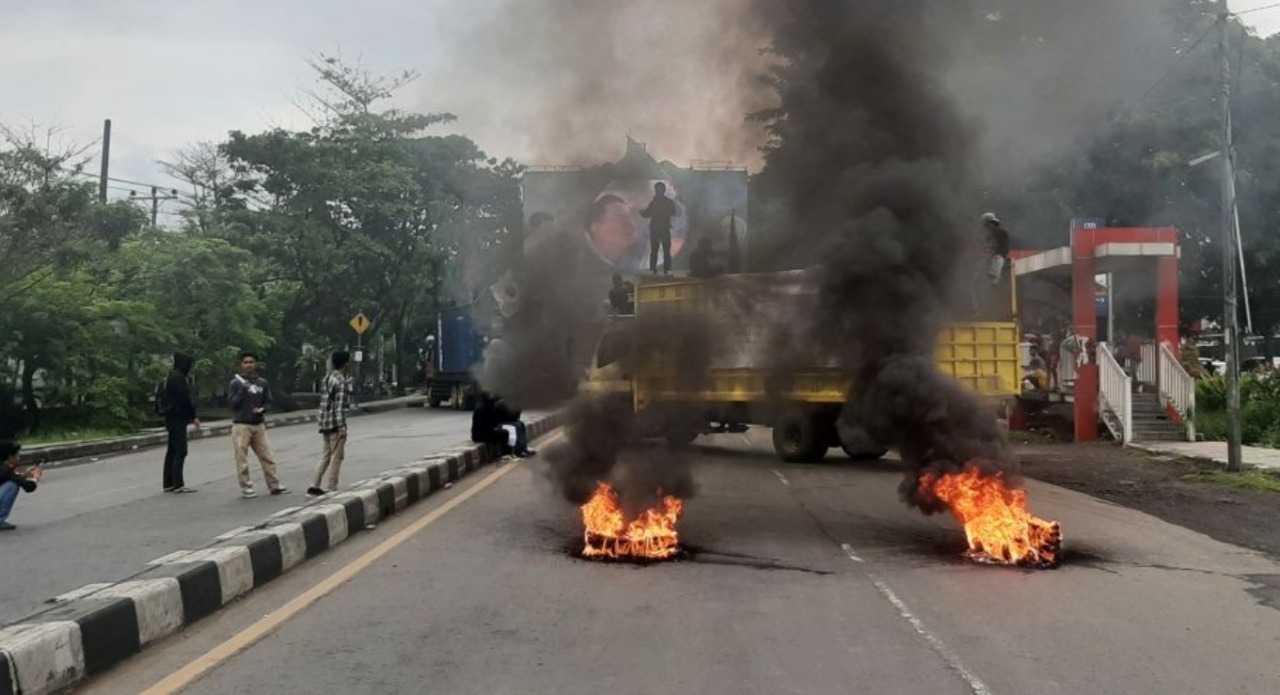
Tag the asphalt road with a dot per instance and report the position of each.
(103, 521)
(804, 579)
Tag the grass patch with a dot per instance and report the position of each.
(84, 434)
(1212, 424)
(1244, 481)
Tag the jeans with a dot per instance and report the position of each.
(658, 238)
(8, 494)
(175, 456)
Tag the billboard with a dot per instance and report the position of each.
(605, 208)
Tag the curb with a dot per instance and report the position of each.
(95, 627)
(59, 455)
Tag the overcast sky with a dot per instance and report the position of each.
(169, 74)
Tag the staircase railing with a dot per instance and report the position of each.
(1146, 372)
(1115, 396)
(1178, 389)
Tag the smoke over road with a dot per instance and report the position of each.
(888, 119)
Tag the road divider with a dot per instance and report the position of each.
(80, 452)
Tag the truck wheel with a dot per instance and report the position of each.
(857, 443)
(682, 436)
(864, 454)
(798, 438)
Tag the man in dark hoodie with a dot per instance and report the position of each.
(249, 395)
(179, 412)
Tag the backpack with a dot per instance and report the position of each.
(160, 401)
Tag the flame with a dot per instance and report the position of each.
(650, 536)
(996, 521)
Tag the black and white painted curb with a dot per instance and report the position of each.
(95, 627)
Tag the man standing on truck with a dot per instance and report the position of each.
(997, 246)
(660, 212)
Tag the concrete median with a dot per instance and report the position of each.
(70, 453)
(97, 626)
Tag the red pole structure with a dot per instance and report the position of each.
(1084, 324)
(1167, 303)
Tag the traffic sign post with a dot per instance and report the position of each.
(360, 324)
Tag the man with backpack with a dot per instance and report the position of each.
(174, 402)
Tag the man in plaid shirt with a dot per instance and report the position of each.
(334, 401)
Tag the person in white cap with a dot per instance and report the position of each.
(997, 246)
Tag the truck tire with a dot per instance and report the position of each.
(682, 435)
(856, 443)
(864, 454)
(798, 437)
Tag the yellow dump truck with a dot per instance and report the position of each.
(717, 355)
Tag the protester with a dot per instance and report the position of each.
(997, 246)
(660, 212)
(518, 436)
(249, 395)
(179, 411)
(11, 481)
(334, 402)
(494, 422)
(622, 297)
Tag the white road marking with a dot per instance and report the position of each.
(782, 478)
(939, 647)
(848, 550)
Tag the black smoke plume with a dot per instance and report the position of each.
(871, 159)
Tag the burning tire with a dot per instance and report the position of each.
(800, 437)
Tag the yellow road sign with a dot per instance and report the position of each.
(360, 323)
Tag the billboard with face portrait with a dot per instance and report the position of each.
(604, 209)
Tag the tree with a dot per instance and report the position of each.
(365, 211)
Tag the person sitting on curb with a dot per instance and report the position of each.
(510, 422)
(11, 481)
(494, 423)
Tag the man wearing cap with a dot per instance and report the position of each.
(997, 246)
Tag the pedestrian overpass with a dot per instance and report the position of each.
(1136, 387)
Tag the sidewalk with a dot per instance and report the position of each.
(1216, 452)
(69, 453)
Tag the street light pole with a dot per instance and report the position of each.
(1230, 317)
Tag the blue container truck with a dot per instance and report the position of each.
(459, 346)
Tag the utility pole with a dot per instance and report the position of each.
(155, 205)
(1230, 317)
(106, 160)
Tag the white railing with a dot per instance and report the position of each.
(1115, 396)
(1178, 389)
(1148, 368)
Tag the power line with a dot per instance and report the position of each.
(1174, 66)
(1257, 9)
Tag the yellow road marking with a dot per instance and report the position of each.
(237, 643)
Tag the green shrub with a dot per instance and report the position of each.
(1211, 393)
